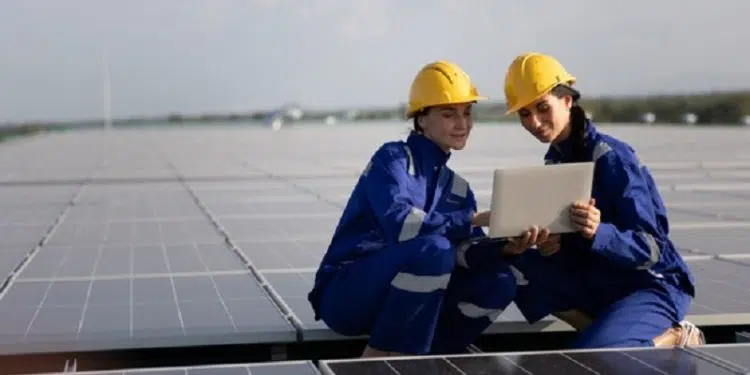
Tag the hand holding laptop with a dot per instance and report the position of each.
(531, 237)
(481, 219)
(585, 218)
(543, 196)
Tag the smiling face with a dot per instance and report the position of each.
(448, 126)
(548, 118)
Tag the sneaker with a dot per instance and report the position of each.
(691, 335)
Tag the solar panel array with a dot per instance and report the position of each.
(714, 360)
(211, 235)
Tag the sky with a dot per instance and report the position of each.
(194, 56)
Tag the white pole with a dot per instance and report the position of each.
(107, 92)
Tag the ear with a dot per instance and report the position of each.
(421, 120)
(568, 100)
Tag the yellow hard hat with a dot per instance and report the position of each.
(438, 83)
(531, 76)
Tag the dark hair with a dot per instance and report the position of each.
(417, 115)
(577, 122)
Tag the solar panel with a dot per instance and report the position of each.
(115, 296)
(155, 235)
(273, 228)
(728, 209)
(285, 254)
(293, 287)
(610, 362)
(717, 241)
(677, 198)
(273, 368)
(736, 355)
(135, 232)
(722, 293)
(36, 197)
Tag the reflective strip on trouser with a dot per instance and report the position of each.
(406, 323)
(411, 306)
(473, 301)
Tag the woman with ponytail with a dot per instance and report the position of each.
(619, 279)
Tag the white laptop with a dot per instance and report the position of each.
(537, 195)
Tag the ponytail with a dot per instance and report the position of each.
(577, 123)
(578, 133)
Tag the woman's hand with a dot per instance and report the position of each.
(585, 218)
(481, 219)
(529, 238)
(551, 246)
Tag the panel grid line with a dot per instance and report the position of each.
(293, 184)
(38, 309)
(49, 286)
(283, 308)
(587, 368)
(8, 281)
(88, 293)
(453, 365)
(134, 276)
(221, 297)
(174, 290)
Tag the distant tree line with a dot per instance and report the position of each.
(719, 108)
(17, 131)
(725, 108)
(716, 108)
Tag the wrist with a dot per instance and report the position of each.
(474, 219)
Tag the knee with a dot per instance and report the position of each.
(431, 261)
(495, 292)
(500, 286)
(485, 294)
(431, 255)
(505, 285)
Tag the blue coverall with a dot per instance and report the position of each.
(629, 279)
(391, 268)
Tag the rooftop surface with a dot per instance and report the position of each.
(200, 236)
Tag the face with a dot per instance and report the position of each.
(448, 125)
(548, 118)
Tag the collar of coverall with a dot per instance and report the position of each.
(429, 156)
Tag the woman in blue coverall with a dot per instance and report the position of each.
(399, 266)
(619, 279)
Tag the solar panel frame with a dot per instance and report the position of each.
(268, 368)
(583, 361)
(731, 355)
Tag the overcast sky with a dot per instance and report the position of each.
(214, 55)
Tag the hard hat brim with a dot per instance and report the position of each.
(518, 106)
(469, 99)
